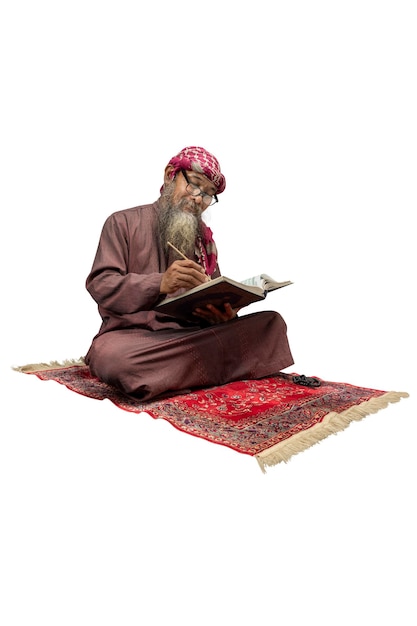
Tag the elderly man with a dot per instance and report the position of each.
(146, 353)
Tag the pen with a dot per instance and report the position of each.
(182, 254)
(176, 250)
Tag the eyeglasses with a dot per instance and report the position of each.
(194, 190)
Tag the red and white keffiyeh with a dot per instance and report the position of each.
(208, 163)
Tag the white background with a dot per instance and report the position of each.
(113, 518)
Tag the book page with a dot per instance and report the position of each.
(265, 282)
(255, 281)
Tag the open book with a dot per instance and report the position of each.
(219, 291)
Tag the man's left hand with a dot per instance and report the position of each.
(213, 315)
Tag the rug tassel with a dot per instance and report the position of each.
(332, 424)
(38, 367)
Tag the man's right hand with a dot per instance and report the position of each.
(182, 275)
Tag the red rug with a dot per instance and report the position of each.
(270, 419)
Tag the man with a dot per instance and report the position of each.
(146, 353)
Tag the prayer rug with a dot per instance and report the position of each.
(270, 419)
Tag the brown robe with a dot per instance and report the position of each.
(146, 353)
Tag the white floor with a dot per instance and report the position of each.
(114, 519)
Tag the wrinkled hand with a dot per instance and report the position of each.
(182, 275)
(213, 315)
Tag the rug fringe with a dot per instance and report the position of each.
(332, 424)
(39, 367)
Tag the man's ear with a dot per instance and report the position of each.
(169, 174)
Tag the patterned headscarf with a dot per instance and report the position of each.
(208, 163)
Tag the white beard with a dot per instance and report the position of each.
(177, 225)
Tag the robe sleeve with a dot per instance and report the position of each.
(110, 283)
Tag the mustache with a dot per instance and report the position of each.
(186, 204)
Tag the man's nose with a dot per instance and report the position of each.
(199, 199)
